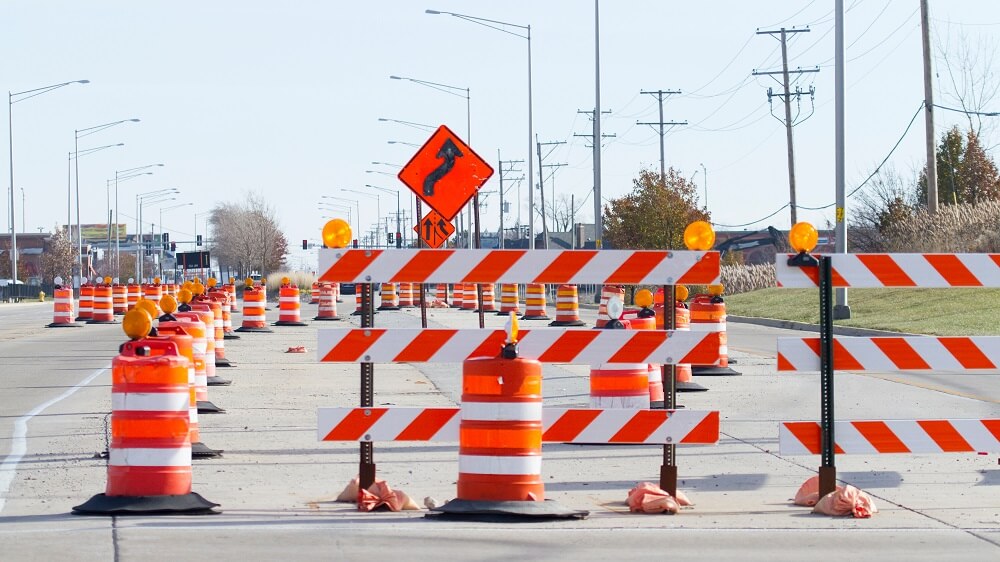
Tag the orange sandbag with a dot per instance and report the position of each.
(647, 497)
(377, 495)
(846, 500)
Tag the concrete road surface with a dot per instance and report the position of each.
(276, 483)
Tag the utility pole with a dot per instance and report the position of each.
(841, 308)
(787, 96)
(598, 217)
(925, 37)
(506, 167)
(660, 96)
(552, 190)
(541, 183)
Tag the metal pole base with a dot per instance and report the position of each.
(827, 480)
(841, 312)
(668, 479)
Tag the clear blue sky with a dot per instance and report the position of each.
(285, 100)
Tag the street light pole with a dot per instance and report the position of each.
(162, 249)
(399, 240)
(139, 203)
(130, 174)
(28, 94)
(492, 24)
(76, 147)
(378, 208)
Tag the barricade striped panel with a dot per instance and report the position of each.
(886, 354)
(873, 437)
(898, 270)
(548, 345)
(659, 267)
(559, 425)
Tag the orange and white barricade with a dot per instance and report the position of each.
(534, 303)
(390, 301)
(508, 300)
(327, 303)
(149, 457)
(62, 313)
(86, 302)
(567, 307)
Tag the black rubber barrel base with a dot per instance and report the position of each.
(504, 511)
(188, 504)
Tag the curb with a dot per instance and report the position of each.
(803, 326)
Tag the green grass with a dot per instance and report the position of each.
(942, 312)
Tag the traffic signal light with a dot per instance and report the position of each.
(355, 243)
(165, 239)
(173, 246)
(388, 238)
(399, 240)
(198, 240)
(305, 244)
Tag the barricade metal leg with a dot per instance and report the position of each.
(828, 469)
(668, 470)
(366, 467)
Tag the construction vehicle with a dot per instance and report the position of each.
(753, 240)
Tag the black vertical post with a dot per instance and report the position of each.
(477, 243)
(668, 470)
(366, 469)
(421, 290)
(827, 469)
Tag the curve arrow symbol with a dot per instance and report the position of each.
(449, 152)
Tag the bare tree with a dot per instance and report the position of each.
(969, 78)
(886, 201)
(247, 237)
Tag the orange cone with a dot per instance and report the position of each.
(149, 458)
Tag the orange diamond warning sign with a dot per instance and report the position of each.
(434, 229)
(445, 173)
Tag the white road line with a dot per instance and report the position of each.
(19, 442)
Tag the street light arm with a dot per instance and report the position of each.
(408, 123)
(133, 176)
(40, 91)
(98, 128)
(88, 151)
(484, 22)
(446, 88)
(136, 169)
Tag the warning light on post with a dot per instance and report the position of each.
(803, 237)
(699, 236)
(336, 234)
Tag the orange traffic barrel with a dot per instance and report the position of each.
(62, 304)
(442, 294)
(620, 385)
(254, 319)
(203, 350)
(133, 293)
(174, 331)
(608, 291)
(708, 314)
(103, 312)
(86, 302)
(508, 300)
(534, 303)
(500, 442)
(314, 293)
(567, 307)
(470, 296)
(119, 299)
(327, 303)
(683, 371)
(405, 298)
(457, 295)
(489, 298)
(154, 293)
(289, 313)
(218, 330)
(149, 457)
(389, 299)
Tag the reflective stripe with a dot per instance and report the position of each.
(247, 318)
(482, 464)
(502, 411)
(180, 456)
(707, 327)
(151, 401)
